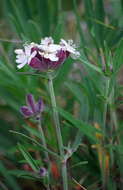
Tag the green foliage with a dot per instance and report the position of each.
(90, 110)
(9, 180)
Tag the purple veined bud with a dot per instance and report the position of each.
(42, 172)
(32, 109)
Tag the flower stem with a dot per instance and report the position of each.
(58, 132)
(45, 146)
(43, 139)
(107, 81)
(104, 174)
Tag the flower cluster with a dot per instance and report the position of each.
(47, 55)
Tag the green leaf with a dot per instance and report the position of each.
(10, 181)
(99, 15)
(22, 174)
(79, 164)
(32, 131)
(85, 62)
(78, 20)
(86, 129)
(28, 157)
(34, 141)
(63, 73)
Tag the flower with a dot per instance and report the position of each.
(47, 55)
(47, 40)
(42, 172)
(70, 48)
(32, 109)
(24, 56)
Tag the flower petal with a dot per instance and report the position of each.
(47, 41)
(26, 111)
(31, 102)
(32, 56)
(39, 106)
(18, 51)
(21, 65)
(51, 57)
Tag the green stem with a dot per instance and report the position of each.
(105, 105)
(59, 6)
(58, 132)
(104, 176)
(43, 139)
(114, 129)
(46, 153)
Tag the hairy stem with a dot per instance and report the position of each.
(58, 132)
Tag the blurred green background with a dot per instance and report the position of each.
(96, 26)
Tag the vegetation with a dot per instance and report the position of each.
(88, 93)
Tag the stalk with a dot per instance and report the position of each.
(59, 6)
(104, 175)
(105, 105)
(58, 131)
(114, 122)
(45, 152)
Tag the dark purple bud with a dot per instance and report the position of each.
(26, 111)
(42, 172)
(31, 102)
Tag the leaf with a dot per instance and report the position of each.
(99, 15)
(43, 10)
(63, 73)
(78, 20)
(81, 95)
(28, 157)
(89, 12)
(34, 141)
(22, 173)
(10, 181)
(86, 129)
(80, 163)
(32, 131)
(118, 58)
(77, 141)
(85, 62)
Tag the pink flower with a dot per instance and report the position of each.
(47, 55)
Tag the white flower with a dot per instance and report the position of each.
(24, 56)
(49, 55)
(47, 41)
(70, 47)
(48, 49)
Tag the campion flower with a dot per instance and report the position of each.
(32, 109)
(24, 56)
(47, 55)
(70, 48)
